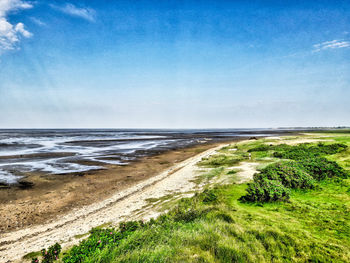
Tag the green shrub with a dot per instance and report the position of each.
(305, 151)
(49, 255)
(296, 152)
(309, 166)
(209, 196)
(260, 148)
(130, 226)
(186, 215)
(290, 174)
(331, 148)
(266, 190)
(321, 168)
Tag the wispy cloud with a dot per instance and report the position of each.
(11, 34)
(38, 21)
(334, 44)
(82, 12)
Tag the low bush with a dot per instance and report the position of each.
(209, 196)
(49, 255)
(290, 174)
(321, 168)
(260, 148)
(309, 166)
(305, 151)
(265, 190)
(331, 148)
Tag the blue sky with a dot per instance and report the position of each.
(174, 64)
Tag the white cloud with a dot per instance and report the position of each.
(70, 9)
(331, 45)
(20, 28)
(38, 21)
(10, 34)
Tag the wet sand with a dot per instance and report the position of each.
(52, 196)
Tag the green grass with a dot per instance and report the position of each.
(314, 226)
(32, 255)
(214, 226)
(221, 160)
(207, 176)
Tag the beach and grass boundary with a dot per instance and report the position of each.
(218, 225)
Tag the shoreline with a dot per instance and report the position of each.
(55, 195)
(123, 204)
(146, 177)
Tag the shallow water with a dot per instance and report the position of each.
(77, 150)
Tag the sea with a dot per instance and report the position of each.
(64, 151)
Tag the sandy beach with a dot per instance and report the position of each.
(53, 195)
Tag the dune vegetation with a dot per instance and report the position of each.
(296, 209)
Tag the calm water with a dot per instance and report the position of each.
(69, 151)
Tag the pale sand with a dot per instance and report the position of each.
(121, 206)
(246, 170)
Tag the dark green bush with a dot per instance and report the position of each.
(266, 190)
(130, 226)
(209, 196)
(260, 148)
(299, 152)
(49, 255)
(321, 168)
(331, 148)
(290, 174)
(305, 151)
(309, 166)
(186, 214)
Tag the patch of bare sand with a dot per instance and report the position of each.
(123, 205)
(246, 170)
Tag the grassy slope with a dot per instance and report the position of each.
(314, 226)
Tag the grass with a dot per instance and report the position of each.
(32, 255)
(81, 236)
(220, 160)
(215, 226)
(207, 176)
(313, 226)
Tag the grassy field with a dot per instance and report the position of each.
(312, 225)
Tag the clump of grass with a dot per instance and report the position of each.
(221, 160)
(209, 196)
(232, 172)
(32, 255)
(99, 239)
(260, 148)
(206, 177)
